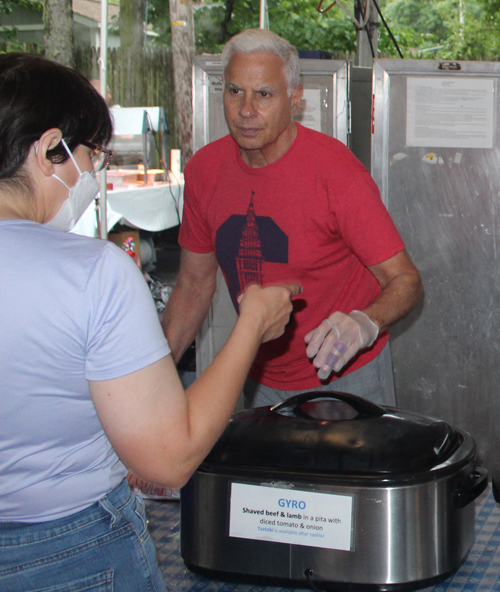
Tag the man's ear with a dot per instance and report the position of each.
(296, 97)
(48, 140)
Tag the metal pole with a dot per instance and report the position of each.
(263, 21)
(364, 47)
(103, 79)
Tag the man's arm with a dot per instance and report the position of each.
(162, 433)
(190, 300)
(339, 337)
(401, 289)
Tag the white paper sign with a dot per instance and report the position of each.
(291, 516)
(450, 112)
(309, 114)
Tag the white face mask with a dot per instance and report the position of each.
(79, 198)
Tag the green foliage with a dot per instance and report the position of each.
(8, 35)
(491, 7)
(444, 29)
(159, 17)
(6, 6)
(207, 28)
(435, 29)
(406, 38)
(421, 16)
(296, 20)
(300, 23)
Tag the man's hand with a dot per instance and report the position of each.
(338, 339)
(269, 308)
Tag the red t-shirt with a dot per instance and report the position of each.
(314, 217)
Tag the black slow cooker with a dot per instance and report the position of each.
(332, 492)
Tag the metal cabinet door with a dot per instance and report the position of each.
(436, 160)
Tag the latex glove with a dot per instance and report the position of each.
(339, 338)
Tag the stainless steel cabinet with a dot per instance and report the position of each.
(436, 160)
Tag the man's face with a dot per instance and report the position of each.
(257, 107)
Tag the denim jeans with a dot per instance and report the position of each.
(104, 548)
(374, 381)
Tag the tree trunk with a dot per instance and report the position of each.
(181, 18)
(228, 15)
(132, 24)
(58, 31)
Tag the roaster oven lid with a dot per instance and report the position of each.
(334, 432)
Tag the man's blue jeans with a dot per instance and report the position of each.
(104, 548)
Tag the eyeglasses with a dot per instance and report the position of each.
(100, 157)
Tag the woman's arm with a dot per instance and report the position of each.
(162, 433)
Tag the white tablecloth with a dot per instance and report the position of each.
(153, 207)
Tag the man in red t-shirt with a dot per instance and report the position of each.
(274, 202)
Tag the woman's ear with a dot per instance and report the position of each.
(48, 140)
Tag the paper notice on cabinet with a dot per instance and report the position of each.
(450, 112)
(309, 114)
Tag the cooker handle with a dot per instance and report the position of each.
(362, 406)
(470, 489)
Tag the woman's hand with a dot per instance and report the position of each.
(268, 308)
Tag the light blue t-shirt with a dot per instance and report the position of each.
(72, 309)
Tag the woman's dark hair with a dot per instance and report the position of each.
(37, 94)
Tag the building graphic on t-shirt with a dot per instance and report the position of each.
(243, 242)
(249, 259)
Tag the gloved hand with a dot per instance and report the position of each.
(338, 338)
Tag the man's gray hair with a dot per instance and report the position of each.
(255, 40)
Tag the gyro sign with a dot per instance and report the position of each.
(306, 518)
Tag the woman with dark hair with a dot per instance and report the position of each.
(88, 388)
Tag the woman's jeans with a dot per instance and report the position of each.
(104, 548)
